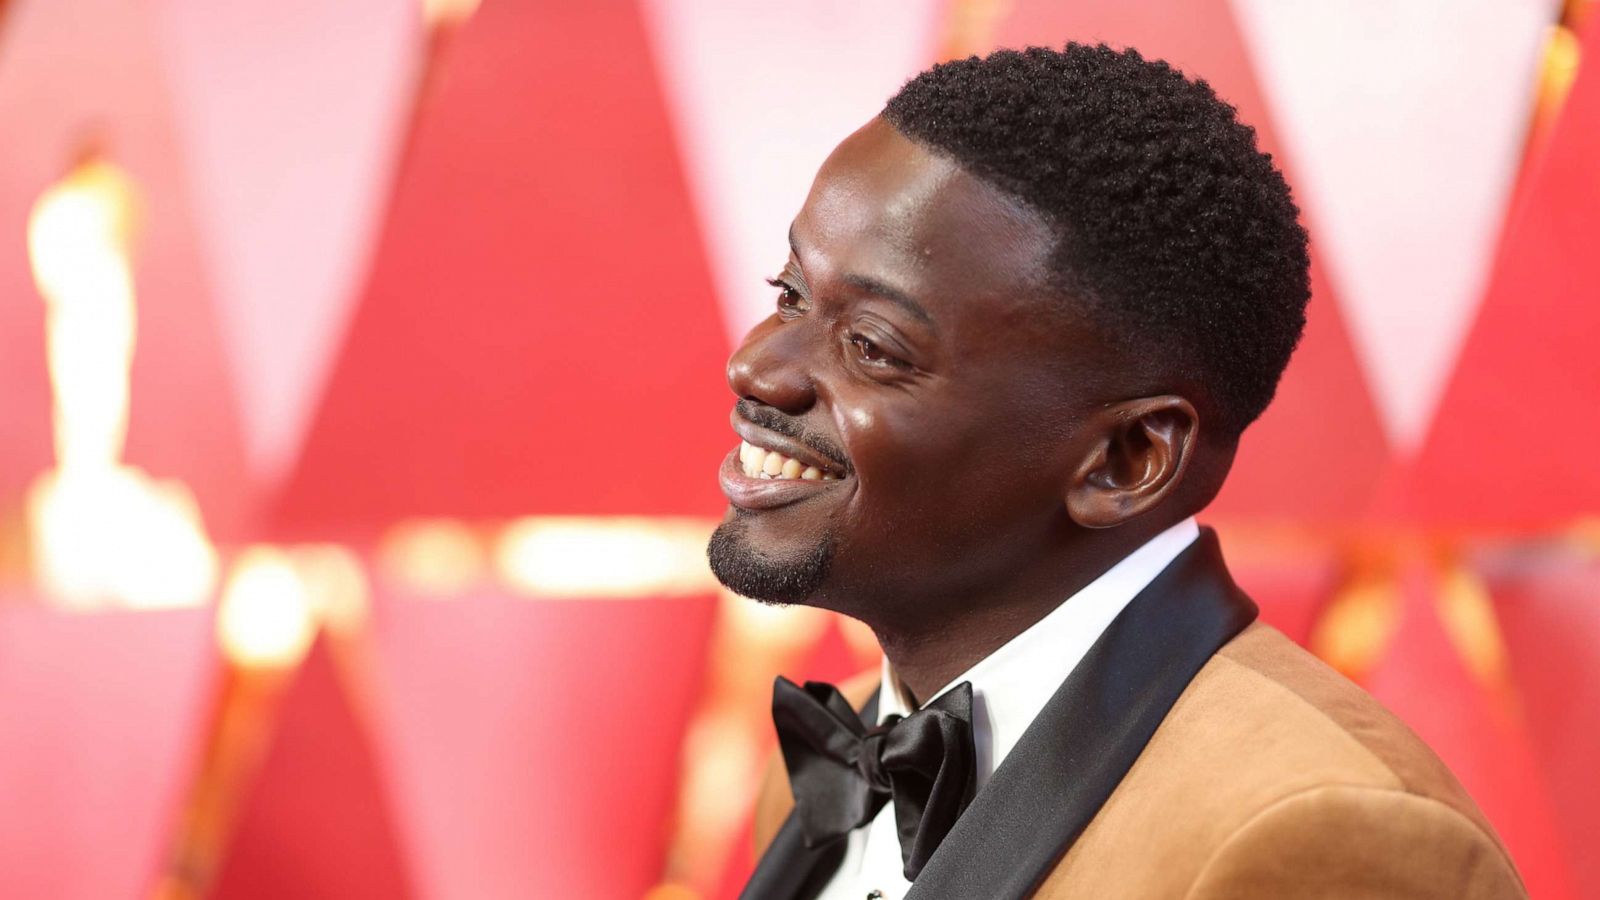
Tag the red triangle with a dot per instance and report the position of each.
(1513, 440)
(830, 659)
(317, 821)
(540, 332)
(1323, 410)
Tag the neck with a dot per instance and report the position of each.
(930, 650)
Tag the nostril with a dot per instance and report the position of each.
(770, 369)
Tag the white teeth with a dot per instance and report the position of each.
(752, 466)
(771, 465)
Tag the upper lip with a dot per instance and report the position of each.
(788, 446)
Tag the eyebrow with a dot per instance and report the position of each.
(877, 288)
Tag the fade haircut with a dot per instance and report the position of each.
(1176, 236)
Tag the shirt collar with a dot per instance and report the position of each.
(1011, 685)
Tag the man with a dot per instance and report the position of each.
(1027, 312)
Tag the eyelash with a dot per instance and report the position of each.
(785, 291)
(863, 344)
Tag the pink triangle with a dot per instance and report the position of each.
(534, 746)
(749, 160)
(1405, 122)
(291, 117)
(102, 722)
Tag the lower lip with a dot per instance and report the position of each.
(764, 493)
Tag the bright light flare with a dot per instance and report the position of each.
(102, 533)
(276, 598)
(267, 619)
(1355, 631)
(114, 536)
(575, 557)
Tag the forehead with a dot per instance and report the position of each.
(886, 207)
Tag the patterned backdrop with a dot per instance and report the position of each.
(362, 389)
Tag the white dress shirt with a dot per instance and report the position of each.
(1009, 687)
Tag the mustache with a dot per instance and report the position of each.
(772, 420)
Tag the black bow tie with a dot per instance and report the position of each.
(842, 772)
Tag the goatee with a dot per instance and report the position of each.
(744, 570)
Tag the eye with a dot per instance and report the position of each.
(872, 353)
(790, 302)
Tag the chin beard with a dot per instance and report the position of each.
(743, 570)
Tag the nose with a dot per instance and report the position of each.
(770, 367)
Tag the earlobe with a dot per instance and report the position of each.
(1138, 459)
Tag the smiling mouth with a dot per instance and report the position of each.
(759, 462)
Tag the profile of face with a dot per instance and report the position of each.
(918, 421)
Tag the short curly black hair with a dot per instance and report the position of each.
(1176, 234)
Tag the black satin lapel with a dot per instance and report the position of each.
(788, 871)
(1087, 737)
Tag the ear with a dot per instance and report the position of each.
(1137, 458)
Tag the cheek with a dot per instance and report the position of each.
(961, 465)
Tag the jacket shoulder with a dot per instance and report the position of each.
(1341, 841)
(1273, 686)
(1262, 723)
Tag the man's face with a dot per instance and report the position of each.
(913, 365)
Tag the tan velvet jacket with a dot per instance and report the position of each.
(1271, 776)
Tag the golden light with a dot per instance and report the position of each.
(102, 533)
(722, 771)
(336, 585)
(1558, 70)
(266, 619)
(577, 557)
(671, 891)
(448, 12)
(438, 557)
(860, 639)
(970, 26)
(1467, 612)
(1358, 625)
